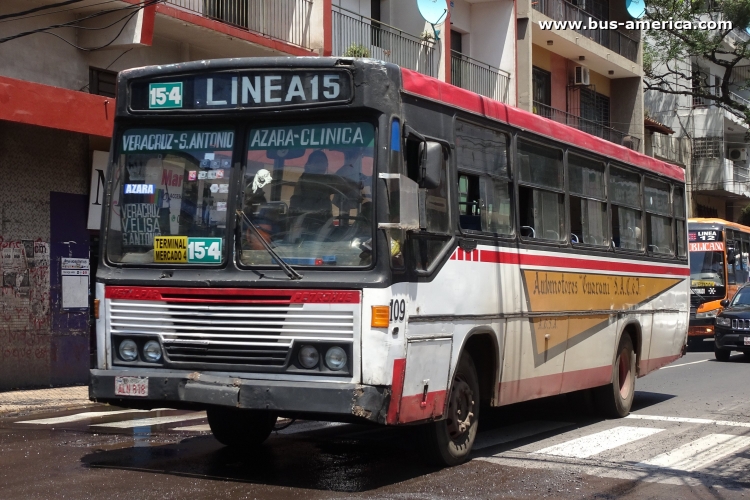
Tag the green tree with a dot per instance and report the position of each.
(669, 53)
(744, 218)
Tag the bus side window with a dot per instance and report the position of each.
(484, 181)
(732, 251)
(540, 195)
(627, 214)
(744, 257)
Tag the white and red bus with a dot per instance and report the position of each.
(347, 240)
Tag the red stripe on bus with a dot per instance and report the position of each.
(516, 391)
(418, 407)
(649, 365)
(234, 295)
(397, 388)
(499, 257)
(434, 89)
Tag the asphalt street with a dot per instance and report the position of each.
(687, 437)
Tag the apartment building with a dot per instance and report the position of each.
(719, 173)
(587, 78)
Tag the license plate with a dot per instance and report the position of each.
(131, 386)
(747, 340)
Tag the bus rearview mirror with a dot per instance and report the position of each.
(430, 164)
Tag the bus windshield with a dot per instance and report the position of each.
(169, 196)
(308, 191)
(707, 269)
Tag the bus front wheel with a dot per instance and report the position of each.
(615, 399)
(240, 428)
(449, 441)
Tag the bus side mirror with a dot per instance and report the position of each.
(403, 202)
(724, 303)
(430, 164)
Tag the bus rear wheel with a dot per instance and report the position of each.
(240, 428)
(615, 399)
(449, 441)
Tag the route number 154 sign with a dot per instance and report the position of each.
(165, 95)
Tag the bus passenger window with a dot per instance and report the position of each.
(540, 196)
(678, 204)
(588, 209)
(625, 198)
(658, 217)
(484, 180)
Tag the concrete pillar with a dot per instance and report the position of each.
(321, 27)
(626, 108)
(525, 97)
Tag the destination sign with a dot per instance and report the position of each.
(708, 246)
(246, 89)
(137, 140)
(707, 235)
(187, 250)
(312, 136)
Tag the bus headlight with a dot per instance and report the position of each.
(128, 350)
(707, 314)
(152, 351)
(723, 321)
(336, 358)
(308, 356)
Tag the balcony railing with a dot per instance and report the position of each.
(359, 36)
(588, 126)
(704, 102)
(560, 10)
(285, 20)
(669, 148)
(720, 174)
(479, 77)
(741, 172)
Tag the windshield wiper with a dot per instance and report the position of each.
(703, 300)
(289, 270)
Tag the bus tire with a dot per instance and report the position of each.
(240, 428)
(448, 442)
(615, 399)
(722, 354)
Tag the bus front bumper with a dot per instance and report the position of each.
(324, 401)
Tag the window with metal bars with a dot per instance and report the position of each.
(102, 82)
(594, 106)
(708, 147)
(542, 86)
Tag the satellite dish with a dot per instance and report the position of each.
(636, 8)
(434, 12)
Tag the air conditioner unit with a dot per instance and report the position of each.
(738, 154)
(581, 76)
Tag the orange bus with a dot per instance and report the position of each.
(719, 252)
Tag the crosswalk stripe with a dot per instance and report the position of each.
(699, 453)
(78, 416)
(194, 428)
(143, 422)
(515, 432)
(599, 442)
(687, 420)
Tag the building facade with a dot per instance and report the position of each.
(58, 65)
(573, 75)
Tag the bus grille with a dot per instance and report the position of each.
(223, 333)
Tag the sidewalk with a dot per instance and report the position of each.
(15, 402)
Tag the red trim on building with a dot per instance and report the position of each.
(434, 89)
(147, 25)
(397, 388)
(53, 107)
(230, 30)
(233, 295)
(327, 28)
(520, 259)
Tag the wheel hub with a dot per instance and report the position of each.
(460, 408)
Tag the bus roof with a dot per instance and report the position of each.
(719, 222)
(432, 88)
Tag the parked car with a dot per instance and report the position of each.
(732, 326)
